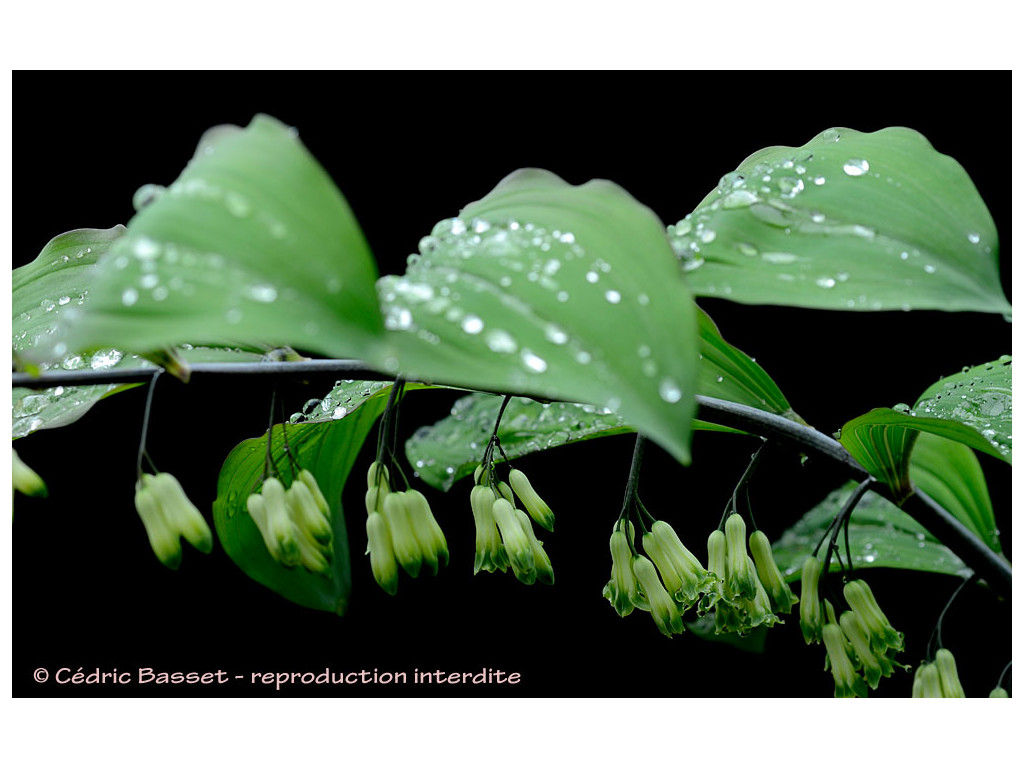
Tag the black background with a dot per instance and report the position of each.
(408, 149)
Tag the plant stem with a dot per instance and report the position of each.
(976, 555)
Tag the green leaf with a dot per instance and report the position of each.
(451, 449)
(328, 450)
(881, 536)
(727, 373)
(57, 281)
(951, 474)
(974, 407)
(35, 409)
(253, 244)
(850, 220)
(562, 292)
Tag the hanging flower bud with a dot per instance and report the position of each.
(740, 576)
(858, 594)
(781, 596)
(280, 532)
(663, 608)
(490, 553)
(382, 555)
(517, 545)
(684, 576)
(999, 693)
(433, 545)
(534, 504)
(873, 666)
(622, 585)
(168, 516)
(926, 682)
(406, 548)
(541, 561)
(948, 677)
(306, 514)
(848, 683)
(810, 606)
(306, 478)
(25, 479)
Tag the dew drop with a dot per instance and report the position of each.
(472, 324)
(46, 305)
(146, 195)
(501, 341)
(592, 276)
(129, 296)
(856, 167)
(146, 248)
(555, 335)
(533, 362)
(929, 268)
(739, 198)
(825, 282)
(777, 257)
(613, 297)
(974, 237)
(670, 391)
(262, 292)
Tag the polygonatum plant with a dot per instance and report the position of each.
(556, 314)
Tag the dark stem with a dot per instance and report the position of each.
(965, 544)
(935, 641)
(145, 425)
(633, 483)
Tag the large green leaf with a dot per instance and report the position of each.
(563, 292)
(328, 450)
(950, 473)
(252, 244)
(850, 220)
(881, 536)
(973, 407)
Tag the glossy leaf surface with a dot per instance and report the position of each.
(974, 407)
(949, 472)
(252, 244)
(881, 536)
(850, 220)
(563, 292)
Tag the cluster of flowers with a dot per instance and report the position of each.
(400, 530)
(750, 592)
(504, 533)
(938, 679)
(669, 579)
(860, 646)
(168, 515)
(295, 523)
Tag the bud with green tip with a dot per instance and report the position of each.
(534, 504)
(309, 480)
(858, 594)
(168, 515)
(541, 561)
(382, 555)
(664, 611)
(490, 553)
(25, 479)
(306, 514)
(874, 666)
(684, 576)
(948, 677)
(280, 533)
(403, 540)
(810, 605)
(517, 545)
(999, 693)
(740, 577)
(433, 545)
(848, 683)
(926, 682)
(623, 584)
(781, 596)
